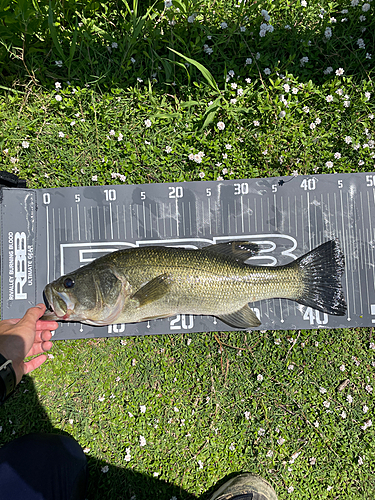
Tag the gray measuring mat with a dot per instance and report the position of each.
(50, 232)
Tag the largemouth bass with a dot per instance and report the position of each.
(141, 284)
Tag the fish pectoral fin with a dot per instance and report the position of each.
(153, 290)
(238, 250)
(243, 318)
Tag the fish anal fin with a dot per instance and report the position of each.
(244, 318)
(239, 250)
(153, 290)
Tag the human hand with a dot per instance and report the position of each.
(24, 337)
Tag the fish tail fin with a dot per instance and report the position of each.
(321, 271)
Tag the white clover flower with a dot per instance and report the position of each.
(223, 25)
(247, 415)
(303, 61)
(291, 367)
(256, 123)
(142, 409)
(168, 149)
(167, 4)
(132, 60)
(362, 18)
(280, 441)
(318, 121)
(365, 7)
(328, 70)
(269, 454)
(242, 29)
(365, 409)
(286, 87)
(127, 457)
(328, 32)
(368, 55)
(346, 104)
(368, 388)
(360, 461)
(57, 85)
(361, 43)
(343, 414)
(61, 134)
(322, 390)
(342, 368)
(114, 45)
(261, 432)
(306, 109)
(142, 441)
(326, 404)
(290, 489)
(220, 125)
(267, 71)
(201, 175)
(316, 424)
(337, 155)
(25, 144)
(349, 398)
(312, 460)
(248, 61)
(348, 139)
(354, 3)
(232, 447)
(260, 378)
(105, 469)
(367, 95)
(282, 114)
(58, 98)
(329, 164)
(287, 27)
(200, 463)
(240, 92)
(148, 123)
(231, 73)
(329, 98)
(339, 72)
(303, 3)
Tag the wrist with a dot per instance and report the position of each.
(8, 380)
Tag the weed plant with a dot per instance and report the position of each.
(96, 93)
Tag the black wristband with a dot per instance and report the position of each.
(8, 379)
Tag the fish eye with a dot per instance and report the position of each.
(68, 283)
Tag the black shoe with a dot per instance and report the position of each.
(245, 487)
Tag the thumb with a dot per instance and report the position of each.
(32, 315)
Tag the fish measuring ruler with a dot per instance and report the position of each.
(49, 232)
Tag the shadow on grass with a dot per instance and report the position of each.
(24, 414)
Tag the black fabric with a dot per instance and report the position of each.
(43, 467)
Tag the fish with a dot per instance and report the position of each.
(152, 282)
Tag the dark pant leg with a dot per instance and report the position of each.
(43, 467)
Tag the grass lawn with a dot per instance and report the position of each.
(92, 94)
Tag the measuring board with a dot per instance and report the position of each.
(50, 232)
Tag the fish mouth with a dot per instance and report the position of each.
(58, 305)
(47, 304)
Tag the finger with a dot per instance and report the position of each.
(33, 364)
(39, 348)
(46, 325)
(32, 315)
(42, 336)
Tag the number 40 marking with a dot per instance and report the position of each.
(314, 315)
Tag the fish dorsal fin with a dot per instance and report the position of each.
(153, 290)
(243, 318)
(239, 250)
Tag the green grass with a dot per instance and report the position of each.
(212, 379)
